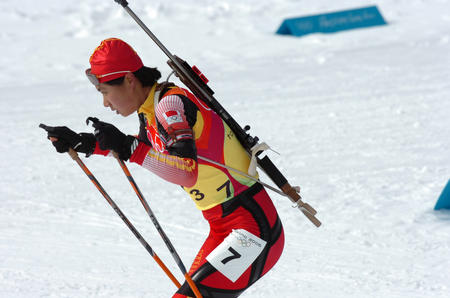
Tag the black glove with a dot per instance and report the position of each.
(67, 138)
(110, 137)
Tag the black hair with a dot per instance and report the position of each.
(146, 75)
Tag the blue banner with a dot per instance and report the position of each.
(333, 22)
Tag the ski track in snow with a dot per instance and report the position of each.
(360, 118)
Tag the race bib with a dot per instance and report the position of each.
(236, 253)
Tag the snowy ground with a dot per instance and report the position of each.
(361, 119)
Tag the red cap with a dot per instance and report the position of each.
(112, 59)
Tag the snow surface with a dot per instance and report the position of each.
(361, 119)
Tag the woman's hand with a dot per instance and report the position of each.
(64, 138)
(110, 137)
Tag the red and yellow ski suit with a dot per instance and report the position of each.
(175, 135)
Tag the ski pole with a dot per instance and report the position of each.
(75, 157)
(158, 226)
(153, 218)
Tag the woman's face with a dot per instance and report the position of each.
(122, 98)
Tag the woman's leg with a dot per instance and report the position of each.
(253, 212)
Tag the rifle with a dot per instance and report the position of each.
(196, 82)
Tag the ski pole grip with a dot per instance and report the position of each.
(73, 154)
(115, 154)
(124, 3)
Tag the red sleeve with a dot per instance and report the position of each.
(178, 170)
(100, 151)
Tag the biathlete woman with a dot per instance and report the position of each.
(184, 142)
